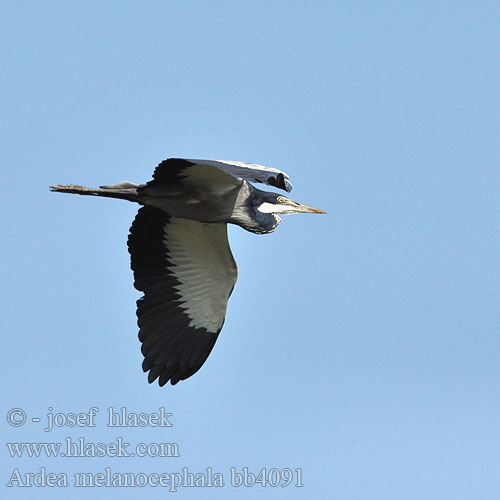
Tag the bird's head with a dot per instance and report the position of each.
(274, 203)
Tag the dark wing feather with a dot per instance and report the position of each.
(187, 272)
(176, 170)
(251, 172)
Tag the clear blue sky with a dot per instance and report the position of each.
(361, 346)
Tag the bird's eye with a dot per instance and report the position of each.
(281, 199)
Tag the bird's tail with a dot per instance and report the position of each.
(122, 190)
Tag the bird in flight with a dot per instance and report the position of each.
(180, 253)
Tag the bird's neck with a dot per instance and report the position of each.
(255, 221)
(246, 215)
(266, 223)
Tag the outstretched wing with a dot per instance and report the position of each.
(206, 172)
(252, 172)
(187, 273)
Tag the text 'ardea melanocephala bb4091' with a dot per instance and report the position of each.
(180, 253)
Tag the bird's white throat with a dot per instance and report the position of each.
(270, 208)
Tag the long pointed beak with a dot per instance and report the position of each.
(297, 207)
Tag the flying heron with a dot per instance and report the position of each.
(180, 253)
